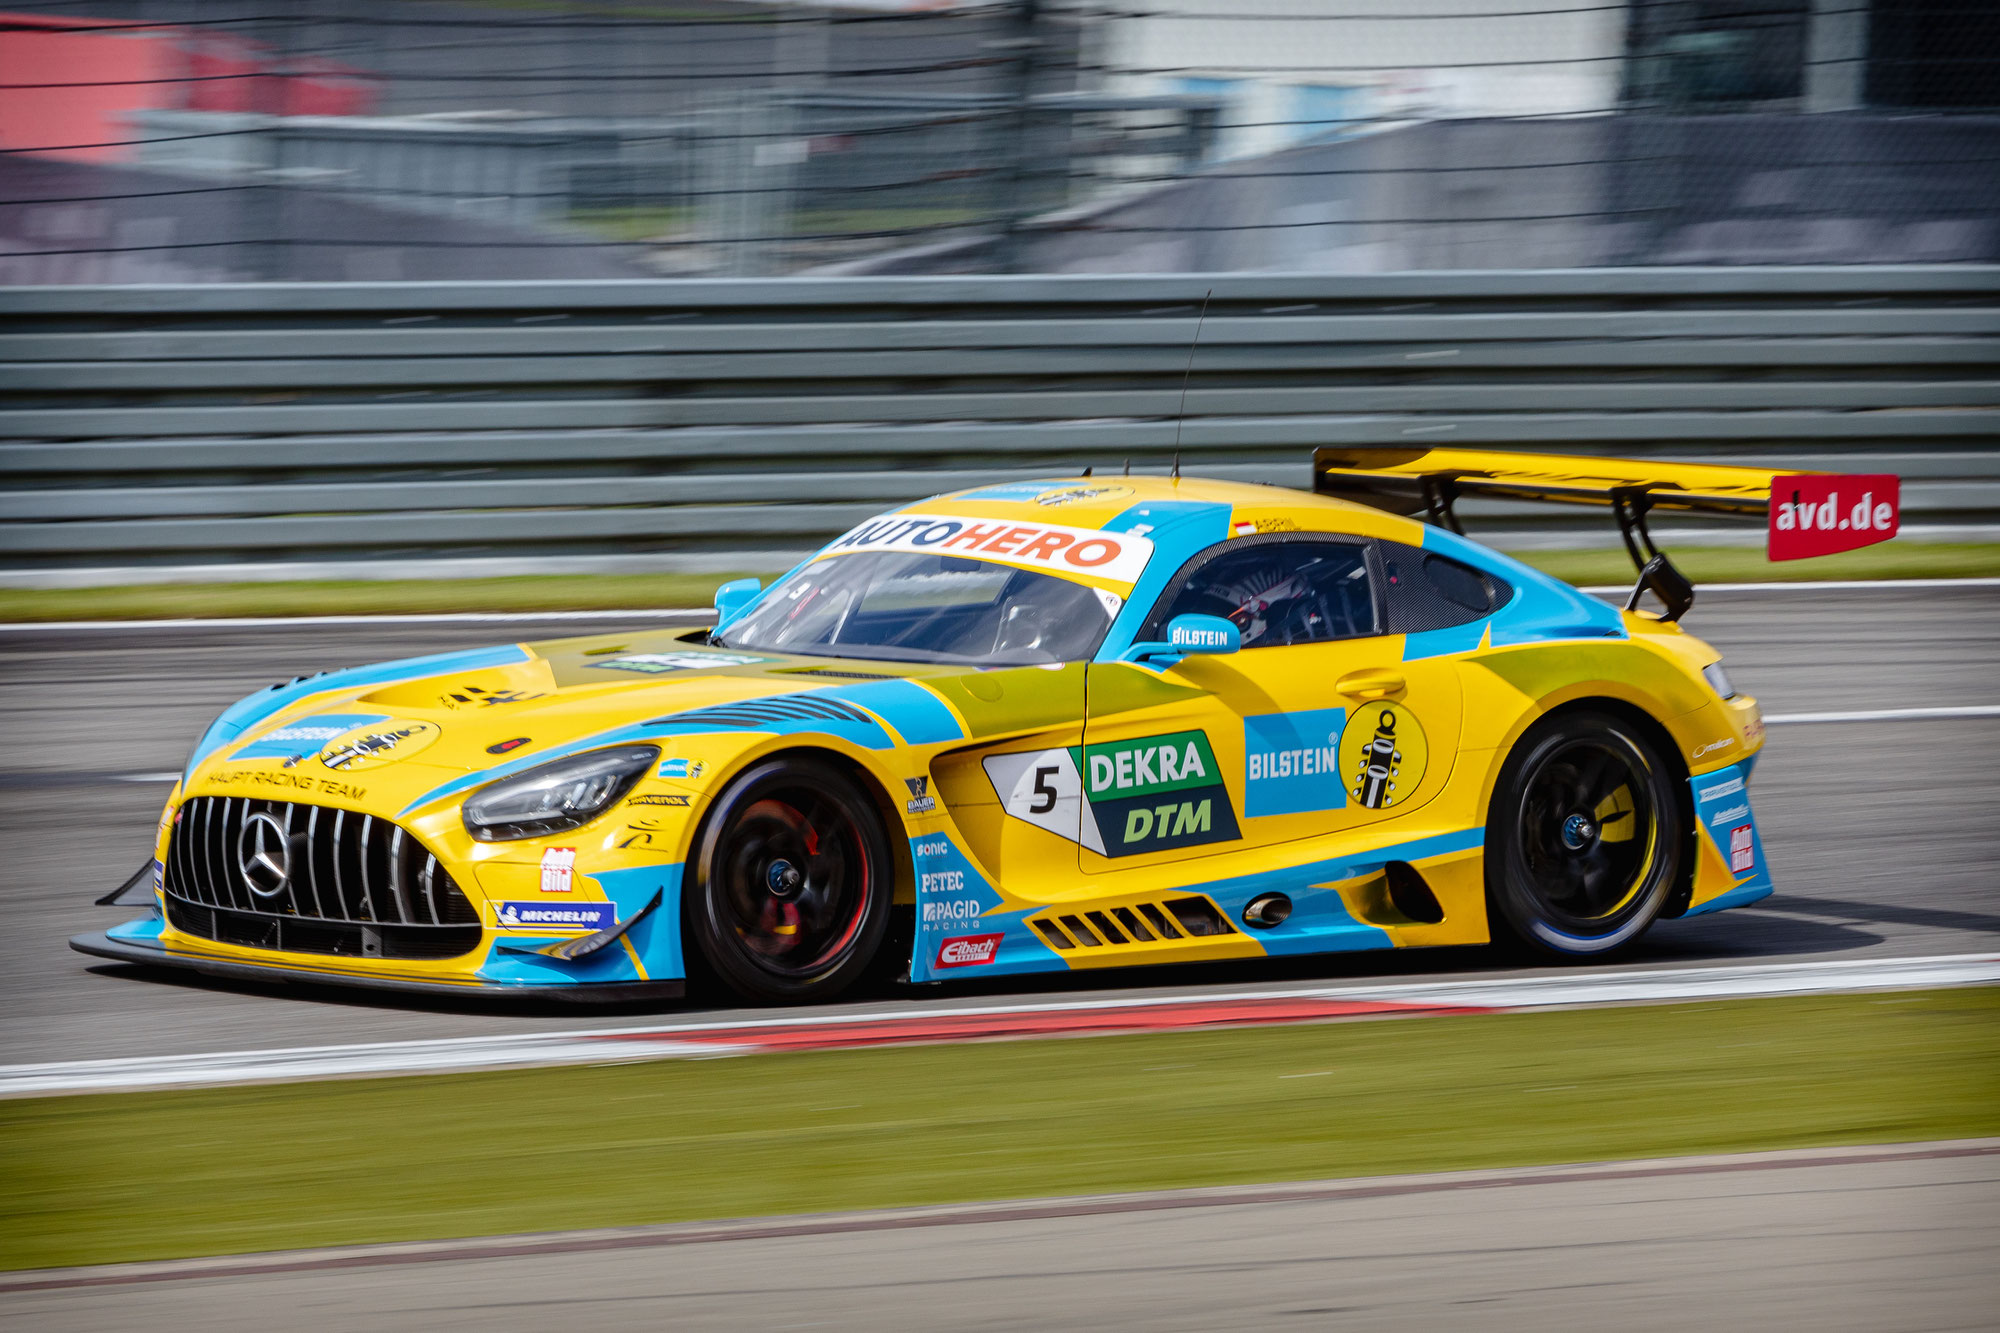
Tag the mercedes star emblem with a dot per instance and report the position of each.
(264, 854)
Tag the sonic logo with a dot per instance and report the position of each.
(1382, 755)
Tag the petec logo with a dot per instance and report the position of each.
(968, 950)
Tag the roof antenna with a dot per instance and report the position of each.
(1128, 467)
(1086, 472)
(1180, 413)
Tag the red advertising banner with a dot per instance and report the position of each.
(1819, 515)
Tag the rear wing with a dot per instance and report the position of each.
(1805, 513)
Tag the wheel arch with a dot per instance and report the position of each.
(1664, 746)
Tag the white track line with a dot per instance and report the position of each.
(439, 618)
(1887, 715)
(504, 617)
(1822, 585)
(672, 1040)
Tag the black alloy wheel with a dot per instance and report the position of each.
(787, 895)
(1585, 839)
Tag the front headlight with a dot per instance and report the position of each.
(1718, 680)
(563, 795)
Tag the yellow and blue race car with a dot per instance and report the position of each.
(1078, 723)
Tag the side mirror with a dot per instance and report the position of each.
(1185, 635)
(732, 597)
(1203, 634)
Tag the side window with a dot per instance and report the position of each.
(1427, 591)
(1277, 592)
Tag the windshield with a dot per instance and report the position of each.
(927, 608)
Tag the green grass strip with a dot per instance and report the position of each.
(585, 592)
(154, 1175)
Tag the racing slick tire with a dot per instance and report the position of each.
(1585, 837)
(788, 892)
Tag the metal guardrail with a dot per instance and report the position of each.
(161, 431)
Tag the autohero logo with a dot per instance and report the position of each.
(967, 951)
(1117, 556)
(554, 916)
(1722, 790)
(1121, 798)
(1382, 755)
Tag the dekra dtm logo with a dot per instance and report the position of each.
(1154, 793)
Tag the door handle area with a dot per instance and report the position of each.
(1372, 683)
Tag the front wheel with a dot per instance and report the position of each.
(1584, 838)
(788, 890)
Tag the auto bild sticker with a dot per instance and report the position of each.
(1291, 763)
(1118, 557)
(558, 869)
(657, 664)
(1382, 755)
(372, 747)
(1120, 798)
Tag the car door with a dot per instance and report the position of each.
(1315, 726)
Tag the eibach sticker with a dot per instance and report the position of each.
(968, 950)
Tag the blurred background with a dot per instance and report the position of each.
(357, 140)
(312, 289)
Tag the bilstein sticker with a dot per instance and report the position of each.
(1121, 798)
(1382, 755)
(1291, 763)
(1119, 557)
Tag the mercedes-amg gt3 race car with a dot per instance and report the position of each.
(1076, 723)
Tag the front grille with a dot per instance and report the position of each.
(358, 885)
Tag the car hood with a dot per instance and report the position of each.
(388, 739)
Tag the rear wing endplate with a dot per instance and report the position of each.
(1806, 513)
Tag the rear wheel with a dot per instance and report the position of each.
(788, 891)
(1584, 838)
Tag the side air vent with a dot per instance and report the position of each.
(1410, 895)
(752, 714)
(1171, 921)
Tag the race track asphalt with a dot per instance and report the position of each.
(1884, 836)
(1830, 1240)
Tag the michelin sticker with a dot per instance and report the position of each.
(1120, 798)
(554, 916)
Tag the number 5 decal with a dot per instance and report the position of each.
(1043, 788)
